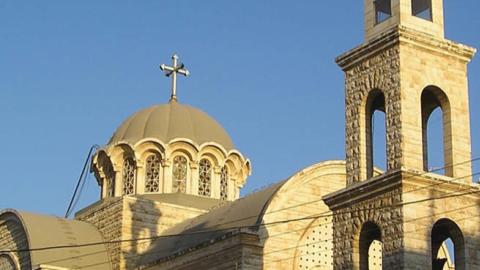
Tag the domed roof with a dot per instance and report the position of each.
(170, 121)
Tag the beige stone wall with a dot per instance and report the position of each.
(401, 64)
(426, 61)
(238, 252)
(7, 262)
(125, 218)
(145, 219)
(13, 237)
(403, 56)
(375, 70)
(405, 205)
(402, 15)
(300, 199)
(107, 217)
(375, 202)
(451, 202)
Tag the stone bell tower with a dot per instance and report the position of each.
(406, 68)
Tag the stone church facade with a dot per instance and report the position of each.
(170, 178)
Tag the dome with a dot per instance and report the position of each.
(167, 122)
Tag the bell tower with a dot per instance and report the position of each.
(406, 69)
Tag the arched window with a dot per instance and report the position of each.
(375, 132)
(129, 171)
(109, 180)
(436, 131)
(204, 177)
(7, 262)
(152, 173)
(224, 183)
(179, 172)
(444, 233)
(370, 247)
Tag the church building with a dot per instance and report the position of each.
(170, 178)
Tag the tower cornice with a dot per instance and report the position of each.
(405, 35)
(410, 181)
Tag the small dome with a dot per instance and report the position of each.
(171, 121)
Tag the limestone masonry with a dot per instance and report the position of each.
(170, 178)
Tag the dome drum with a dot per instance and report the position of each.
(193, 156)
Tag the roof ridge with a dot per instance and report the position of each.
(169, 112)
(147, 122)
(194, 130)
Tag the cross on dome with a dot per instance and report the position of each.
(177, 67)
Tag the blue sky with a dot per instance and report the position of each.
(71, 72)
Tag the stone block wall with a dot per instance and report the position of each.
(437, 198)
(106, 216)
(13, 237)
(306, 240)
(402, 16)
(124, 219)
(430, 62)
(375, 202)
(375, 66)
(238, 252)
(402, 63)
(406, 205)
(143, 218)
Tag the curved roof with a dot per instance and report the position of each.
(244, 213)
(172, 121)
(49, 231)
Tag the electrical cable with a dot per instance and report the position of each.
(239, 228)
(80, 180)
(310, 243)
(405, 192)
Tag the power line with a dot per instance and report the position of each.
(406, 192)
(239, 228)
(80, 182)
(266, 224)
(328, 211)
(295, 246)
(372, 230)
(327, 214)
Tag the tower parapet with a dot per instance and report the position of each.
(421, 15)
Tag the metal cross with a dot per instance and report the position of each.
(177, 67)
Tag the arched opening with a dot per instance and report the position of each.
(109, 179)
(205, 178)
(179, 173)
(376, 132)
(370, 247)
(433, 143)
(152, 173)
(446, 235)
(129, 175)
(436, 131)
(224, 183)
(7, 262)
